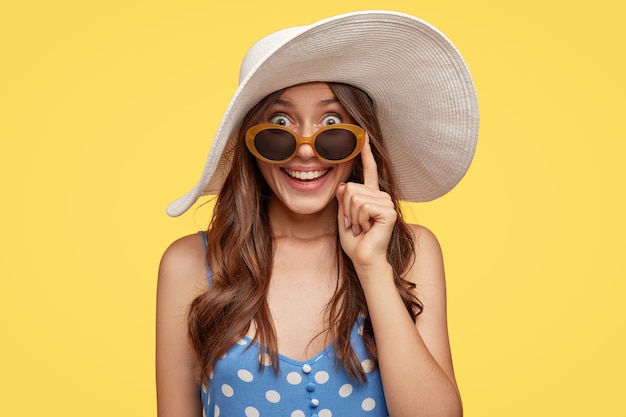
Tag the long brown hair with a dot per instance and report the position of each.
(240, 226)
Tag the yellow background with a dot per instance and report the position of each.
(106, 113)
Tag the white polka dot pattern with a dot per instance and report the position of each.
(345, 390)
(368, 404)
(322, 377)
(272, 396)
(265, 359)
(368, 365)
(252, 412)
(294, 378)
(245, 375)
(227, 390)
(299, 389)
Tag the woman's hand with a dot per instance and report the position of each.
(366, 216)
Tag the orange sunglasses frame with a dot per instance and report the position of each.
(358, 132)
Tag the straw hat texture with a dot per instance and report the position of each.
(421, 87)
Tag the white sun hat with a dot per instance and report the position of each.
(421, 87)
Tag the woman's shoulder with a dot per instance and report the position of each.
(428, 261)
(183, 263)
(189, 246)
(424, 238)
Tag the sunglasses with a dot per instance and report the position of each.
(278, 144)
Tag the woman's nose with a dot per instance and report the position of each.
(305, 150)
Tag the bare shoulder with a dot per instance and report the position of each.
(182, 277)
(429, 276)
(182, 266)
(424, 238)
(428, 262)
(187, 248)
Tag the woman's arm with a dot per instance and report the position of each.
(182, 277)
(414, 358)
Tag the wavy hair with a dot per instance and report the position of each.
(221, 316)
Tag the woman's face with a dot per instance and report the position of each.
(305, 184)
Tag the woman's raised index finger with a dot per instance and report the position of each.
(370, 169)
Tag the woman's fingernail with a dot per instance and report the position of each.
(346, 222)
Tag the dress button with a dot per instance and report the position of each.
(306, 368)
(310, 387)
(314, 402)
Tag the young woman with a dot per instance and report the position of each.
(309, 295)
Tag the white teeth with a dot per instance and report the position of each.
(306, 175)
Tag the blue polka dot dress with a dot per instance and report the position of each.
(313, 388)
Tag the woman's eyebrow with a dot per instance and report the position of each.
(321, 103)
(284, 102)
(327, 102)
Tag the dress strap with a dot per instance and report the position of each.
(202, 234)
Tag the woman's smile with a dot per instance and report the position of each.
(305, 184)
(306, 176)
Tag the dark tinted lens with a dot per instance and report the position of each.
(335, 144)
(275, 144)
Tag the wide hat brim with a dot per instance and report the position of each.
(420, 85)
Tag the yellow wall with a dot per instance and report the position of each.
(106, 113)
